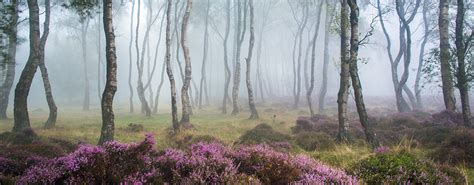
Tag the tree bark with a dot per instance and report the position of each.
(140, 65)
(20, 110)
(186, 105)
(426, 34)
(324, 80)
(226, 60)
(446, 75)
(309, 92)
(10, 60)
(343, 94)
(204, 56)
(363, 117)
(107, 132)
(130, 64)
(253, 109)
(53, 110)
(240, 39)
(169, 71)
(462, 76)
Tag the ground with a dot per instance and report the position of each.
(76, 126)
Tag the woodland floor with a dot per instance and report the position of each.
(76, 126)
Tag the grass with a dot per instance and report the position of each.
(76, 125)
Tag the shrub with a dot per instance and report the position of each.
(399, 168)
(263, 133)
(314, 140)
(458, 148)
(132, 127)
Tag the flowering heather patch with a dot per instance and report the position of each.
(201, 163)
(382, 149)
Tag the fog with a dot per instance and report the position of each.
(66, 69)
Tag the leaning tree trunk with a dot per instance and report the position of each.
(364, 119)
(226, 60)
(186, 105)
(240, 39)
(253, 109)
(204, 57)
(300, 50)
(343, 94)
(324, 80)
(461, 53)
(20, 109)
(130, 64)
(86, 102)
(309, 92)
(107, 132)
(169, 71)
(419, 74)
(140, 64)
(53, 110)
(157, 96)
(10, 61)
(446, 75)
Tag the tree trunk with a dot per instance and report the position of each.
(107, 132)
(140, 64)
(364, 119)
(309, 92)
(204, 57)
(10, 61)
(86, 102)
(240, 39)
(130, 64)
(343, 94)
(53, 110)
(226, 60)
(462, 76)
(99, 59)
(157, 96)
(20, 110)
(446, 75)
(186, 108)
(426, 34)
(300, 50)
(253, 109)
(324, 80)
(169, 71)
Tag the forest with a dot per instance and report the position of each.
(236, 92)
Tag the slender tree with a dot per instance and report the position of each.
(240, 31)
(203, 85)
(169, 71)
(359, 99)
(22, 90)
(53, 110)
(309, 92)
(186, 108)
(130, 64)
(253, 109)
(10, 57)
(462, 78)
(427, 32)
(107, 132)
(324, 79)
(226, 59)
(84, 28)
(343, 94)
(446, 75)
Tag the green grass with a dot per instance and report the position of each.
(76, 125)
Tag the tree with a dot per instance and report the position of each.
(324, 79)
(240, 35)
(253, 109)
(186, 108)
(357, 87)
(9, 28)
(462, 80)
(53, 110)
(22, 90)
(309, 92)
(107, 131)
(130, 64)
(203, 84)
(226, 59)
(446, 76)
(343, 94)
(169, 71)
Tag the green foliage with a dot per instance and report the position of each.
(263, 133)
(314, 141)
(84, 8)
(402, 168)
